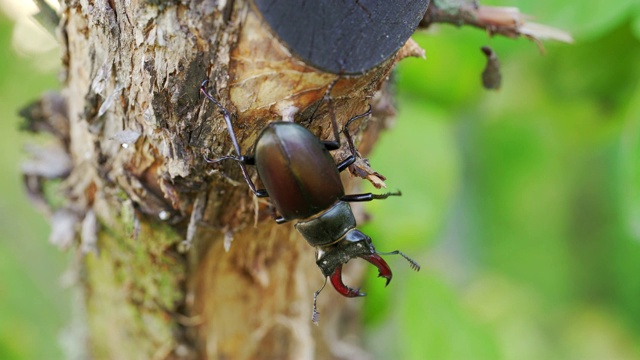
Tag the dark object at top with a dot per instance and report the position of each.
(343, 36)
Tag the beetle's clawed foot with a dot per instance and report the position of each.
(344, 290)
(203, 88)
(222, 158)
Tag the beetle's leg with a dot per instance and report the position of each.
(242, 160)
(222, 158)
(352, 148)
(332, 115)
(368, 196)
(383, 268)
(248, 159)
(330, 145)
(279, 219)
(359, 116)
(335, 144)
(344, 290)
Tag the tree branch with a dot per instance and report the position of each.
(504, 21)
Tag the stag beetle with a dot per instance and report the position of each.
(303, 182)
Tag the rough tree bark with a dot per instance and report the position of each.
(177, 259)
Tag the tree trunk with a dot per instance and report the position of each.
(178, 258)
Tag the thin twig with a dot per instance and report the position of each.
(504, 21)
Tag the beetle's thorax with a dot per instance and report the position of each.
(328, 226)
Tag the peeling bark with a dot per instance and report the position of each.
(177, 258)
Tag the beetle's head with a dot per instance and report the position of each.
(352, 245)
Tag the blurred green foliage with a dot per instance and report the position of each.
(522, 205)
(33, 306)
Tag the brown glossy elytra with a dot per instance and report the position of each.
(303, 182)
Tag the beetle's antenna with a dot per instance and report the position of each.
(316, 314)
(412, 264)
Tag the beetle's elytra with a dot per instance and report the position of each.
(303, 182)
(297, 170)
